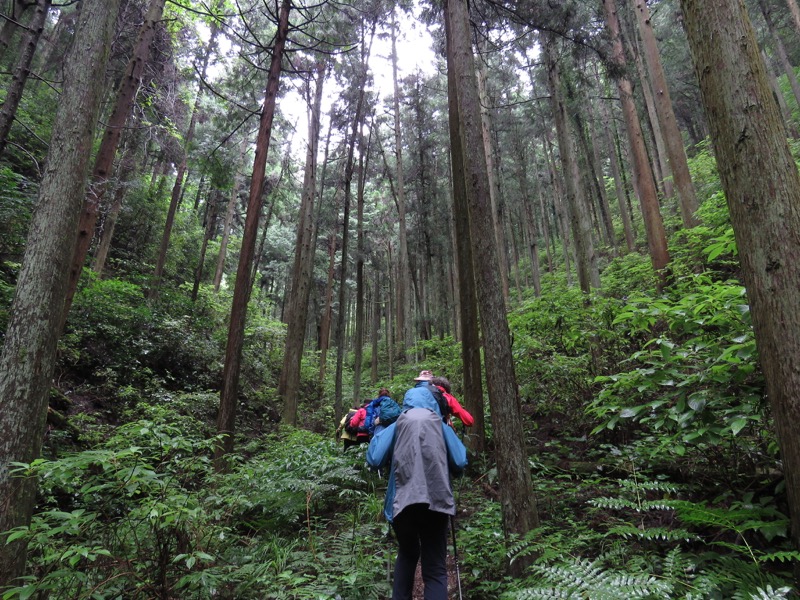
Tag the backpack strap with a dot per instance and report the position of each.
(444, 408)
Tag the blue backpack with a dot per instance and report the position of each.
(390, 410)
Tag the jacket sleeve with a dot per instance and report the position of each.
(459, 411)
(456, 451)
(379, 452)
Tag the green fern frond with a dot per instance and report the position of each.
(780, 556)
(653, 533)
(768, 593)
(653, 486)
(583, 578)
(613, 503)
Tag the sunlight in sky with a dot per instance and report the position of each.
(414, 52)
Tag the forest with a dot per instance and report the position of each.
(225, 223)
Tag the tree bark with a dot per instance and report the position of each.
(358, 122)
(616, 172)
(177, 188)
(360, 324)
(467, 294)
(403, 286)
(28, 357)
(579, 215)
(673, 140)
(661, 171)
(762, 187)
(491, 170)
(124, 177)
(210, 221)
(226, 419)
(21, 71)
(104, 160)
(777, 93)
(229, 211)
(518, 504)
(12, 23)
(303, 269)
(642, 173)
(327, 315)
(794, 9)
(780, 50)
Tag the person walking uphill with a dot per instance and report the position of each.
(423, 452)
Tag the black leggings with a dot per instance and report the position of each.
(421, 533)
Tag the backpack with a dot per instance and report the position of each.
(353, 430)
(390, 410)
(444, 407)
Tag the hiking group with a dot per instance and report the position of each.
(421, 449)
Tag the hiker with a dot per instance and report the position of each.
(425, 386)
(381, 412)
(423, 452)
(452, 402)
(348, 439)
(351, 428)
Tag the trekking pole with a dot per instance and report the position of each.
(455, 556)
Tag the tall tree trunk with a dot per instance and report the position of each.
(226, 419)
(558, 207)
(325, 325)
(104, 160)
(303, 269)
(363, 150)
(12, 22)
(22, 70)
(616, 172)
(666, 118)
(177, 188)
(762, 187)
(642, 173)
(403, 286)
(794, 9)
(517, 501)
(124, 177)
(28, 357)
(595, 177)
(229, 211)
(210, 221)
(358, 122)
(661, 170)
(376, 326)
(467, 292)
(777, 93)
(544, 222)
(494, 184)
(579, 215)
(780, 50)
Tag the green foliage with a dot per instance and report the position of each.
(442, 356)
(588, 579)
(703, 169)
(16, 205)
(143, 515)
(695, 379)
(709, 248)
(627, 274)
(557, 341)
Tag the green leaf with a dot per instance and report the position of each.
(737, 425)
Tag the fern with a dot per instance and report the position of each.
(588, 579)
(780, 556)
(768, 593)
(653, 533)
